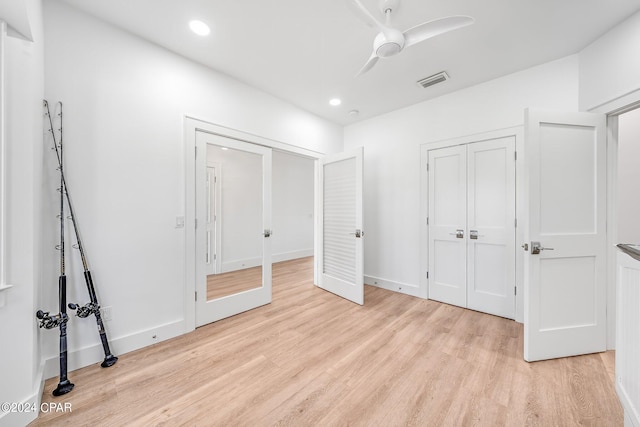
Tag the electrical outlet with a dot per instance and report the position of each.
(106, 313)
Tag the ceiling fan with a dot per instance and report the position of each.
(390, 41)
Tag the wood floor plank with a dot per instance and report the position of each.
(311, 358)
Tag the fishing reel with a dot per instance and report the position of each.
(49, 321)
(86, 310)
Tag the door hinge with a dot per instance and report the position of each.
(215, 257)
(196, 292)
(515, 290)
(515, 222)
(427, 220)
(195, 155)
(427, 274)
(515, 155)
(427, 167)
(196, 223)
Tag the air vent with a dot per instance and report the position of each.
(433, 80)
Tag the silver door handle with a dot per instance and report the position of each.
(459, 234)
(536, 248)
(473, 234)
(358, 233)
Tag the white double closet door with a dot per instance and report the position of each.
(472, 226)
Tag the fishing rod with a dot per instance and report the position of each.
(60, 320)
(92, 307)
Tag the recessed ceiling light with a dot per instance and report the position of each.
(335, 102)
(199, 27)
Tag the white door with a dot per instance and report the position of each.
(491, 213)
(243, 281)
(565, 277)
(447, 225)
(340, 246)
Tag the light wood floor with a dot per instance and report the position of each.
(233, 282)
(313, 359)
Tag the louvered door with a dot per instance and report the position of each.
(341, 247)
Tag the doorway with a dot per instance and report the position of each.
(210, 216)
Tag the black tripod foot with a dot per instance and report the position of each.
(64, 387)
(110, 360)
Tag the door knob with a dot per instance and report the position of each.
(358, 233)
(473, 234)
(536, 248)
(459, 234)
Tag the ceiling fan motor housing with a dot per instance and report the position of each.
(388, 43)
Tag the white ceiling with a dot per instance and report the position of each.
(308, 51)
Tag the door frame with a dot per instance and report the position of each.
(613, 109)
(217, 214)
(518, 133)
(193, 125)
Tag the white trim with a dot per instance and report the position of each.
(239, 135)
(3, 169)
(521, 212)
(288, 256)
(94, 353)
(390, 285)
(619, 104)
(613, 109)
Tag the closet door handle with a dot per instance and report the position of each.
(459, 234)
(473, 234)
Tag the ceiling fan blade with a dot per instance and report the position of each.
(369, 65)
(434, 28)
(365, 16)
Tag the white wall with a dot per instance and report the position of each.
(392, 152)
(124, 105)
(293, 206)
(610, 66)
(26, 269)
(628, 177)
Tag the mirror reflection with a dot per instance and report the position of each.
(234, 221)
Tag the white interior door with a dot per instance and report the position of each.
(565, 278)
(447, 225)
(243, 281)
(340, 246)
(491, 213)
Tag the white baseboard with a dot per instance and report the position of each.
(286, 256)
(119, 346)
(255, 262)
(390, 285)
(33, 402)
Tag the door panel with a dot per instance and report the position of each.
(565, 283)
(491, 226)
(447, 225)
(340, 216)
(472, 226)
(243, 280)
(567, 200)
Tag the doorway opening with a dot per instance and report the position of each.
(252, 202)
